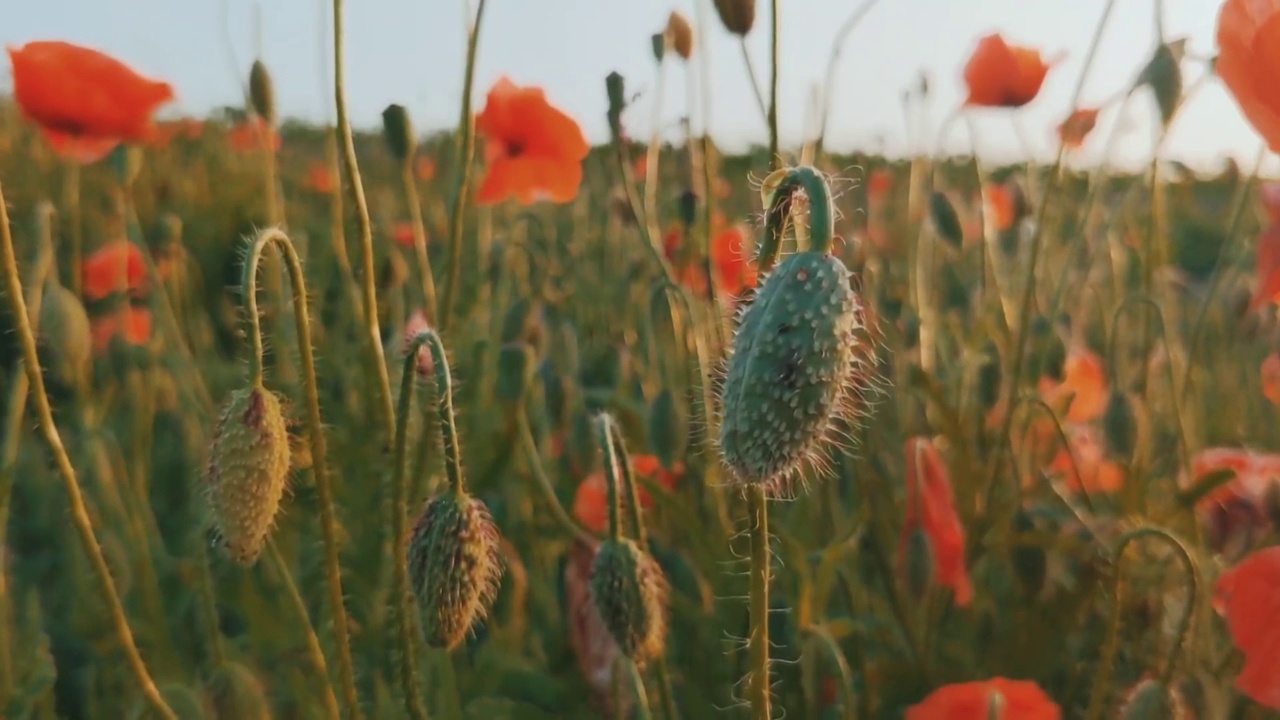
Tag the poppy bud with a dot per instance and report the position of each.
(667, 433)
(946, 221)
(738, 16)
(797, 367)
(454, 567)
(1152, 700)
(1163, 73)
(1120, 425)
(615, 88)
(247, 471)
(680, 32)
(1030, 565)
(688, 208)
(65, 345)
(630, 592)
(515, 371)
(990, 376)
(237, 693)
(658, 41)
(262, 93)
(397, 131)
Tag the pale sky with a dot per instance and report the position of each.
(411, 52)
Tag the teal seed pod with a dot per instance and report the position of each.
(235, 692)
(667, 430)
(454, 567)
(796, 369)
(630, 592)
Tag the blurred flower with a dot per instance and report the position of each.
(402, 234)
(320, 178)
(998, 202)
(1270, 376)
(640, 167)
(879, 185)
(1267, 265)
(996, 699)
(593, 645)
(730, 256)
(1249, 59)
(533, 150)
(132, 324)
(1073, 131)
(251, 136)
(931, 509)
(84, 101)
(1084, 381)
(1002, 75)
(115, 267)
(424, 168)
(419, 323)
(591, 502)
(1237, 511)
(680, 34)
(1246, 596)
(1085, 465)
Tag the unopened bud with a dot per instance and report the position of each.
(262, 93)
(397, 131)
(737, 16)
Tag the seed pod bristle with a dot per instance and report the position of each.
(631, 593)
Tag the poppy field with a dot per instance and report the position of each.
(492, 423)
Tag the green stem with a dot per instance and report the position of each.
(399, 520)
(314, 653)
(444, 410)
(79, 511)
(822, 227)
(642, 711)
(604, 436)
(655, 146)
(209, 608)
(319, 466)
(833, 61)
(627, 476)
(758, 643)
(775, 159)
(466, 153)
(1037, 240)
(534, 460)
(842, 665)
(377, 362)
(753, 78)
(419, 239)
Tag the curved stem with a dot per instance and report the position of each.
(779, 200)
(758, 643)
(314, 653)
(1164, 341)
(1037, 240)
(655, 146)
(534, 460)
(444, 407)
(642, 711)
(753, 79)
(604, 436)
(399, 515)
(1039, 403)
(377, 362)
(842, 666)
(627, 476)
(79, 511)
(833, 60)
(319, 466)
(466, 153)
(419, 239)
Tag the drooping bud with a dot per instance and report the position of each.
(680, 33)
(454, 567)
(262, 92)
(615, 87)
(631, 592)
(798, 367)
(737, 16)
(397, 131)
(247, 471)
(236, 692)
(667, 432)
(990, 375)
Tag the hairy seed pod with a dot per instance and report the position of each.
(737, 16)
(454, 567)
(262, 92)
(1152, 700)
(680, 33)
(630, 592)
(397, 131)
(667, 435)
(247, 471)
(236, 692)
(799, 366)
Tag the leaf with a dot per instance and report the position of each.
(1204, 485)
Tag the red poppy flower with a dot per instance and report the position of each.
(1084, 381)
(533, 150)
(730, 256)
(931, 508)
(1002, 75)
(999, 204)
(879, 185)
(1267, 265)
(78, 149)
(640, 167)
(78, 92)
(131, 324)
(424, 168)
(998, 699)
(115, 267)
(1073, 131)
(1249, 60)
(402, 234)
(251, 136)
(1270, 375)
(671, 242)
(320, 179)
(591, 502)
(1085, 466)
(1246, 596)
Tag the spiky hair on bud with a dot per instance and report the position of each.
(454, 567)
(631, 593)
(247, 471)
(801, 367)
